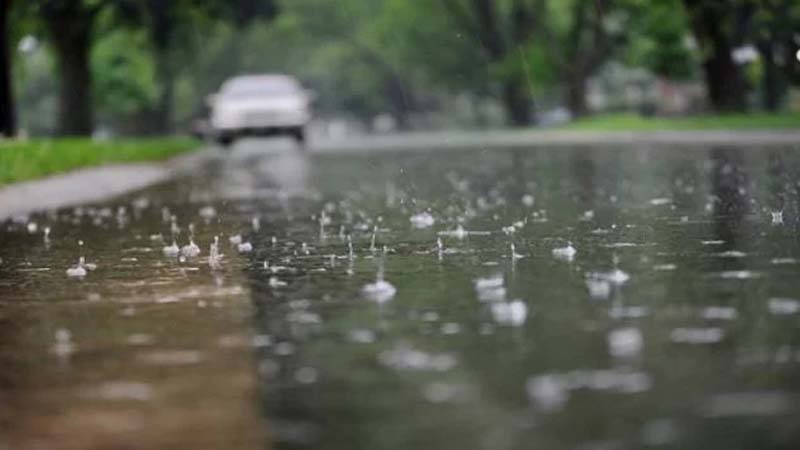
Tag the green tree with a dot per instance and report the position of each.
(170, 23)
(659, 32)
(70, 28)
(775, 24)
(124, 81)
(719, 27)
(594, 32)
(345, 50)
(503, 31)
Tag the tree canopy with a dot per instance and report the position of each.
(145, 66)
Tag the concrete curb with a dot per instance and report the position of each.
(555, 138)
(91, 184)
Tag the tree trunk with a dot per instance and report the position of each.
(165, 78)
(773, 87)
(724, 81)
(488, 26)
(792, 67)
(516, 97)
(162, 30)
(714, 28)
(576, 95)
(589, 47)
(518, 102)
(8, 126)
(71, 38)
(500, 37)
(400, 101)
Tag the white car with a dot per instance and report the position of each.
(260, 105)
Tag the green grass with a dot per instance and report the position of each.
(28, 159)
(633, 122)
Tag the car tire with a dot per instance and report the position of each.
(299, 135)
(226, 140)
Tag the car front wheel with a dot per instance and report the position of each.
(299, 135)
(225, 140)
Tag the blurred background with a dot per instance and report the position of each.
(145, 67)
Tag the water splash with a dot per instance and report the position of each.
(660, 201)
(274, 282)
(405, 357)
(625, 342)
(617, 276)
(422, 220)
(719, 313)
(214, 256)
(207, 213)
(783, 306)
(79, 270)
(528, 200)
(63, 346)
(459, 233)
(512, 313)
(171, 251)
(622, 312)
(372, 242)
(490, 289)
(551, 392)
(566, 253)
(350, 253)
(697, 336)
(174, 229)
(599, 287)
(191, 250)
(324, 220)
(514, 255)
(739, 274)
(381, 291)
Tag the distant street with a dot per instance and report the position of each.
(79, 187)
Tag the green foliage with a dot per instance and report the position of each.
(366, 57)
(532, 62)
(633, 122)
(28, 159)
(124, 80)
(659, 38)
(426, 37)
(35, 88)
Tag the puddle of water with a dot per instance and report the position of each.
(620, 298)
(672, 259)
(126, 350)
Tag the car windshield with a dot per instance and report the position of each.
(260, 88)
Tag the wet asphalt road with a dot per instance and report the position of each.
(616, 297)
